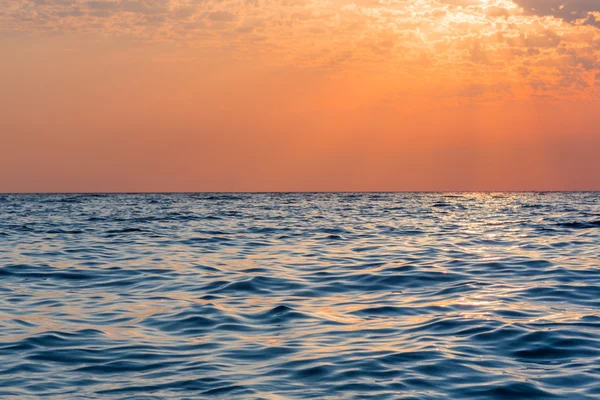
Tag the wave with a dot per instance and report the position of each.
(317, 295)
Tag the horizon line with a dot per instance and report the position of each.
(304, 192)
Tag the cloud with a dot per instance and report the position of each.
(146, 7)
(569, 10)
(221, 16)
(546, 46)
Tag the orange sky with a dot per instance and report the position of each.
(299, 95)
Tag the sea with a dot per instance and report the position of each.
(300, 296)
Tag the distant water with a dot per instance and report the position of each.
(320, 296)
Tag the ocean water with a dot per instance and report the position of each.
(300, 296)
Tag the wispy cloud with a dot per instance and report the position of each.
(543, 46)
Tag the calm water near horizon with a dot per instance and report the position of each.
(298, 296)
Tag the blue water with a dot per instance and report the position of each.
(293, 296)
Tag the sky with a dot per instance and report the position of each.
(299, 95)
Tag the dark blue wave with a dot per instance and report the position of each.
(300, 296)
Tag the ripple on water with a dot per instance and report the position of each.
(315, 295)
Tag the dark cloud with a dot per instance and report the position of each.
(569, 10)
(184, 12)
(53, 2)
(103, 5)
(221, 16)
(148, 7)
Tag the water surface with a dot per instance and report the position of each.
(277, 296)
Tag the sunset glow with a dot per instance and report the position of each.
(189, 95)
